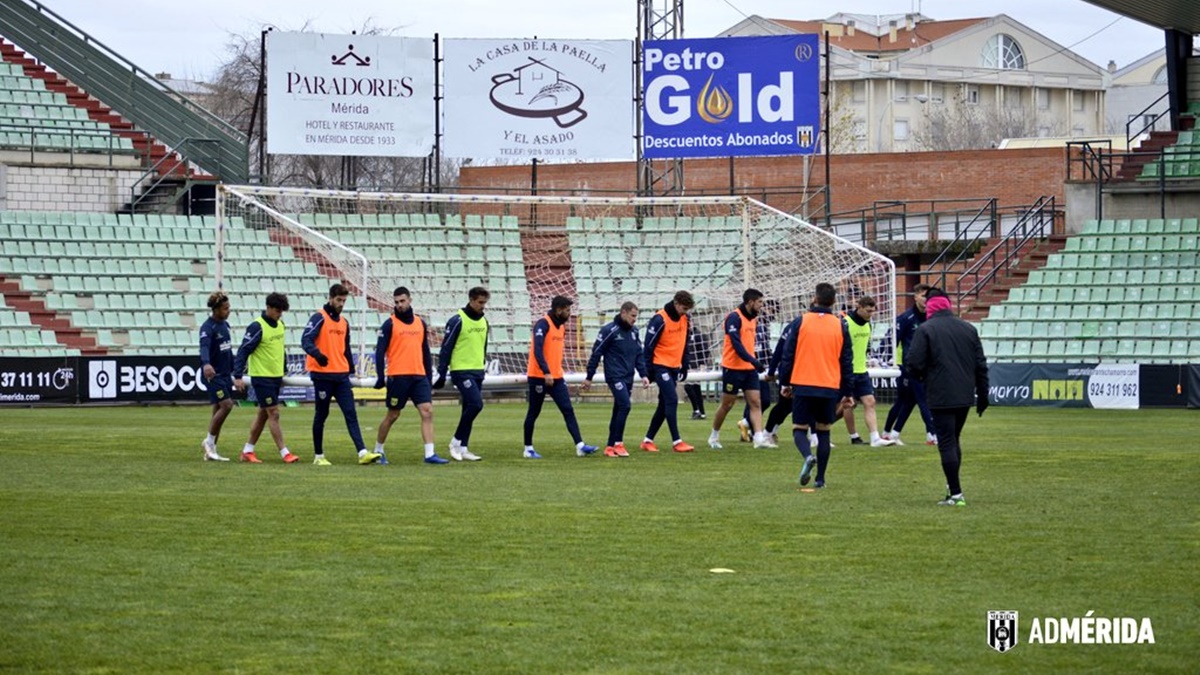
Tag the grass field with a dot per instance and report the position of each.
(123, 552)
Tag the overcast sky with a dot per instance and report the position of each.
(188, 38)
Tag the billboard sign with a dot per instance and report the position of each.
(731, 97)
(357, 95)
(539, 99)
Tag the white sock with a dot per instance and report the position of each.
(529, 448)
(675, 442)
(210, 439)
(362, 451)
(284, 452)
(854, 436)
(812, 440)
(379, 448)
(247, 448)
(874, 436)
(714, 436)
(758, 436)
(320, 455)
(957, 496)
(647, 439)
(579, 445)
(429, 450)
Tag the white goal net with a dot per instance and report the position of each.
(599, 252)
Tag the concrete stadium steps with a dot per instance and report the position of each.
(1031, 258)
(149, 149)
(64, 332)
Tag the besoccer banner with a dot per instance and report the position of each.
(556, 100)
(731, 97)
(359, 95)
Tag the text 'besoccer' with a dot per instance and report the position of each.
(667, 104)
(1090, 630)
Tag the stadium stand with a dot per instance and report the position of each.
(1120, 289)
(33, 118)
(1179, 160)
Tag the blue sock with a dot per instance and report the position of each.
(801, 438)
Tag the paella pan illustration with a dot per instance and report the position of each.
(537, 90)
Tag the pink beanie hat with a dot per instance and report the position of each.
(935, 305)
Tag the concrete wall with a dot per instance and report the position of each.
(40, 188)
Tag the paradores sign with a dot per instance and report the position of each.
(722, 97)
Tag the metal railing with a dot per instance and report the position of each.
(131, 91)
(1150, 126)
(1036, 223)
(985, 223)
(178, 169)
(43, 139)
(898, 220)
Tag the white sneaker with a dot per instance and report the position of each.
(210, 452)
(456, 450)
(715, 443)
(882, 442)
(895, 438)
(930, 439)
(466, 455)
(765, 441)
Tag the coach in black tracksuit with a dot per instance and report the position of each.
(947, 356)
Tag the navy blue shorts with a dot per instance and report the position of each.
(810, 410)
(266, 390)
(860, 386)
(404, 388)
(220, 388)
(734, 381)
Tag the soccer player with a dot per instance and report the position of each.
(330, 363)
(403, 345)
(783, 407)
(667, 351)
(621, 348)
(546, 375)
(947, 355)
(216, 361)
(858, 321)
(464, 355)
(697, 352)
(815, 372)
(262, 353)
(740, 369)
(909, 392)
(762, 349)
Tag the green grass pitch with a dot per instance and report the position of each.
(120, 551)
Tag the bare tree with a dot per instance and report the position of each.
(962, 126)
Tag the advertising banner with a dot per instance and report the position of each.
(359, 95)
(731, 97)
(538, 99)
(141, 378)
(44, 380)
(1063, 385)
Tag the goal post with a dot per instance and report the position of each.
(597, 251)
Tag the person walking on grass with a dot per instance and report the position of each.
(262, 354)
(330, 363)
(404, 365)
(216, 365)
(545, 376)
(947, 355)
(619, 346)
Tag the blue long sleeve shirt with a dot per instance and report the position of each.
(621, 348)
(216, 346)
(906, 327)
(777, 355)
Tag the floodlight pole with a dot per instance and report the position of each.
(657, 20)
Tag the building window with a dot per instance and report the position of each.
(971, 94)
(1002, 52)
(900, 130)
(860, 130)
(1043, 99)
(901, 91)
(1012, 97)
(937, 93)
(860, 91)
(1077, 101)
(1160, 76)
